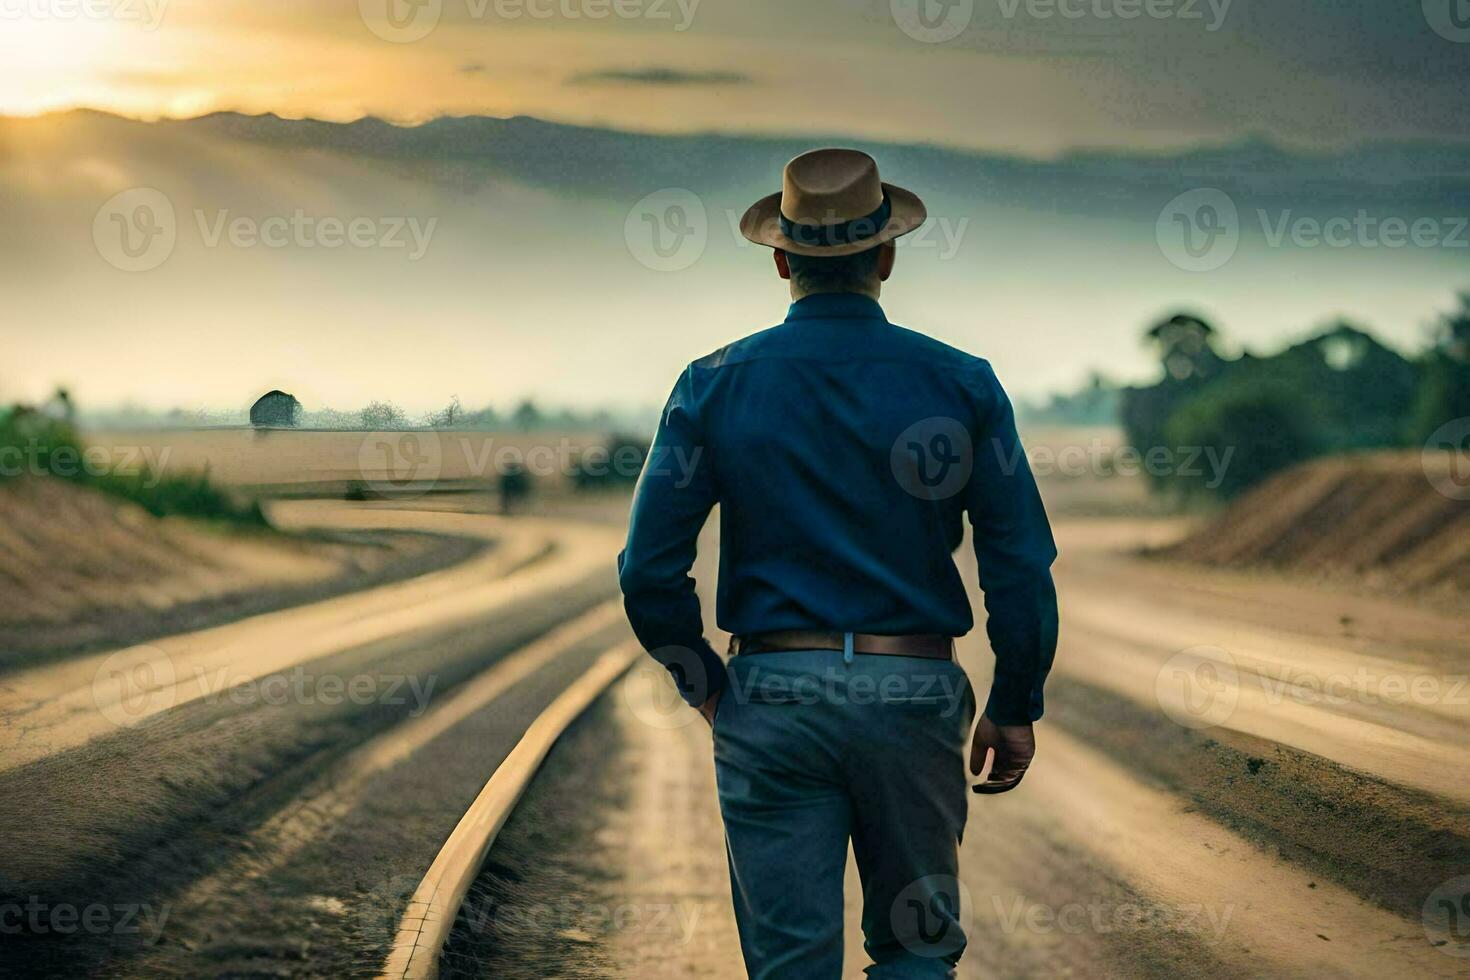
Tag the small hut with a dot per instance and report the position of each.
(275, 409)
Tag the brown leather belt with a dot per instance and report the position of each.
(930, 646)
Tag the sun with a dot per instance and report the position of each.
(50, 60)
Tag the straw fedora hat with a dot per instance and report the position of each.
(832, 203)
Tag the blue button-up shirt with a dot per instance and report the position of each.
(843, 451)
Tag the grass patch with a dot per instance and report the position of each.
(36, 443)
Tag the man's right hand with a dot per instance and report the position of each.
(1013, 747)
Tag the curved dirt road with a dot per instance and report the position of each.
(261, 796)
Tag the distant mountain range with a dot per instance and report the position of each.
(592, 161)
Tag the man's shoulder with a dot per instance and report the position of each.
(928, 348)
(896, 343)
(746, 348)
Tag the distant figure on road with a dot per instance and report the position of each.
(844, 452)
(515, 486)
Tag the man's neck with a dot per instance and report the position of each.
(872, 293)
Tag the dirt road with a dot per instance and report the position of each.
(1238, 776)
(259, 798)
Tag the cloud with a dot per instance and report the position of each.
(658, 76)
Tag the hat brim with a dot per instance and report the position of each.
(762, 225)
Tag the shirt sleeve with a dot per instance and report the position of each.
(1015, 551)
(674, 496)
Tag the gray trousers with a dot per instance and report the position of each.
(813, 750)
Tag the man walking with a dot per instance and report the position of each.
(844, 452)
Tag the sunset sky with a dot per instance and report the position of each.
(1034, 76)
(531, 286)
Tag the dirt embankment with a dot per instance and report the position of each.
(80, 569)
(1382, 519)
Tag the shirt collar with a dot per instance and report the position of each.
(836, 306)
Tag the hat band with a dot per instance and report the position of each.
(843, 233)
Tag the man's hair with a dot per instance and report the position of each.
(844, 274)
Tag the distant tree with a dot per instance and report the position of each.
(1186, 346)
(482, 418)
(527, 415)
(1253, 432)
(383, 415)
(1444, 389)
(62, 404)
(446, 417)
(275, 409)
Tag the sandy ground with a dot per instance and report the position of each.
(1291, 836)
(1229, 782)
(269, 791)
(82, 570)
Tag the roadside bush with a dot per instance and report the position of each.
(1263, 430)
(30, 440)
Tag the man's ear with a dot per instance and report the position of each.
(783, 268)
(886, 254)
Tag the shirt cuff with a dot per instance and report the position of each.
(1013, 701)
